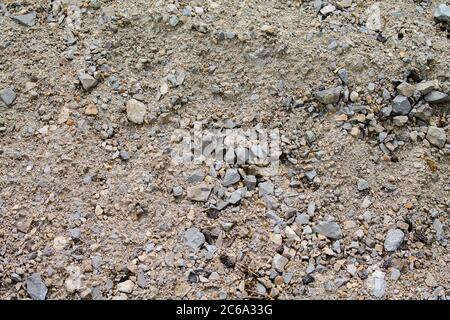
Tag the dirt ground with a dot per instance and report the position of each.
(94, 95)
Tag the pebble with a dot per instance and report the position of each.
(177, 191)
(378, 284)
(426, 87)
(87, 81)
(194, 238)
(442, 13)
(173, 21)
(231, 177)
(329, 229)
(405, 89)
(310, 175)
(199, 193)
(401, 105)
(28, 19)
(436, 97)
(136, 111)
(354, 96)
(302, 219)
(36, 288)
(197, 176)
(400, 121)
(362, 185)
(75, 233)
(394, 239)
(8, 96)
(329, 96)
(126, 286)
(90, 110)
(327, 9)
(250, 182)
(265, 188)
(436, 136)
(395, 274)
(237, 195)
(279, 262)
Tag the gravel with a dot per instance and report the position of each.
(394, 239)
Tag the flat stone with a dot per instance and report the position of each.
(199, 193)
(28, 19)
(265, 188)
(279, 262)
(405, 89)
(329, 96)
(436, 97)
(302, 218)
(196, 176)
(329, 229)
(136, 111)
(126, 286)
(194, 238)
(436, 136)
(362, 185)
(231, 177)
(394, 239)
(426, 87)
(401, 105)
(8, 96)
(237, 195)
(442, 13)
(36, 288)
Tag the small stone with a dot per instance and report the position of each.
(327, 9)
(362, 185)
(250, 182)
(231, 177)
(87, 81)
(311, 208)
(378, 284)
(90, 110)
(8, 96)
(343, 75)
(405, 89)
(268, 29)
(395, 274)
(401, 105)
(126, 286)
(173, 21)
(329, 96)
(59, 243)
(424, 113)
(197, 176)
(265, 188)
(28, 19)
(394, 239)
(199, 193)
(400, 121)
(329, 229)
(436, 136)
(442, 13)
(36, 288)
(237, 195)
(307, 279)
(279, 262)
(123, 154)
(194, 238)
(177, 191)
(310, 175)
(431, 281)
(75, 233)
(426, 87)
(354, 96)
(436, 97)
(136, 111)
(302, 219)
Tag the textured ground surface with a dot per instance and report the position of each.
(87, 206)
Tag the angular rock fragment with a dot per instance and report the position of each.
(329, 229)
(329, 96)
(28, 20)
(436, 136)
(8, 95)
(136, 111)
(199, 193)
(394, 239)
(36, 288)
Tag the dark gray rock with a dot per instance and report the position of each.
(36, 288)
(196, 176)
(231, 177)
(194, 238)
(401, 105)
(436, 97)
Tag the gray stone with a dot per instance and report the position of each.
(177, 191)
(136, 111)
(126, 286)
(327, 9)
(75, 233)
(311, 208)
(36, 288)
(401, 105)
(329, 229)
(194, 238)
(173, 21)
(400, 121)
(250, 182)
(329, 96)
(87, 81)
(426, 87)
(28, 19)
(442, 13)
(343, 75)
(378, 284)
(310, 136)
(362, 185)
(265, 188)
(279, 262)
(436, 97)
(231, 177)
(199, 193)
(237, 195)
(439, 229)
(394, 239)
(123, 154)
(386, 111)
(197, 176)
(386, 95)
(310, 175)
(436, 136)
(302, 218)
(395, 274)
(8, 96)
(424, 113)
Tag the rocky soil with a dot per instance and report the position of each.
(95, 96)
